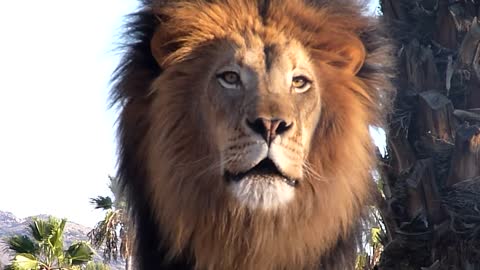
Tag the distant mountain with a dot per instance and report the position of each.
(11, 225)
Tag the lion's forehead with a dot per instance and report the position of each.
(242, 23)
(271, 53)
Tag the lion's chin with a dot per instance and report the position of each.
(262, 187)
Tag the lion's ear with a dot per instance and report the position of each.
(342, 51)
(162, 45)
(354, 53)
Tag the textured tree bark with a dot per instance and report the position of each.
(431, 175)
(128, 263)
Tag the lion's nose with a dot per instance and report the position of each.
(269, 128)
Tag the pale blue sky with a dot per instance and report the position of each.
(56, 133)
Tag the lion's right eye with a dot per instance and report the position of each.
(229, 79)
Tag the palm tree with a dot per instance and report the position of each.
(113, 233)
(96, 266)
(43, 248)
(430, 179)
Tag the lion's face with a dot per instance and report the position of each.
(262, 103)
(256, 92)
(244, 129)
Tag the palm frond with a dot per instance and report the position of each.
(80, 253)
(102, 202)
(25, 261)
(56, 238)
(96, 266)
(41, 229)
(22, 244)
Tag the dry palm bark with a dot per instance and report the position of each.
(431, 177)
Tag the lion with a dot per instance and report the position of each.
(244, 131)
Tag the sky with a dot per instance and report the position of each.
(57, 135)
(56, 132)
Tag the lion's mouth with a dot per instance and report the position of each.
(266, 169)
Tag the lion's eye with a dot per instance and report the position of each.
(301, 84)
(229, 79)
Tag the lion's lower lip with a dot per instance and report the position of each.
(266, 168)
(290, 182)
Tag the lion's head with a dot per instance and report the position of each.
(244, 129)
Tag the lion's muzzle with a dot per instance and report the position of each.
(269, 128)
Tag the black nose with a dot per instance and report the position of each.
(269, 128)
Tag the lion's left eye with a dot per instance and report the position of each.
(301, 84)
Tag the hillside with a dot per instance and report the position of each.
(11, 225)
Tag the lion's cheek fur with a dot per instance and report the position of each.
(342, 151)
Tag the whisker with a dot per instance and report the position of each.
(214, 166)
(312, 173)
(186, 164)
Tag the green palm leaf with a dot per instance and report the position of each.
(22, 244)
(56, 238)
(96, 266)
(101, 202)
(41, 229)
(24, 261)
(44, 249)
(80, 253)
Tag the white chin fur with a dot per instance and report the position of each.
(265, 194)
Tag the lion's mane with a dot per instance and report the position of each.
(177, 226)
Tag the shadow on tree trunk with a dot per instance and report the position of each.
(431, 192)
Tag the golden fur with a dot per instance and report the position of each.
(173, 126)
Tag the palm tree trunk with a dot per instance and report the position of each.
(128, 263)
(431, 177)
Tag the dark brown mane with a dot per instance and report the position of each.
(153, 128)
